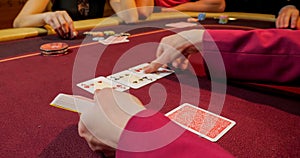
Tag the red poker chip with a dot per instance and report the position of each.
(57, 46)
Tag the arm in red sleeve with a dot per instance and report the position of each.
(271, 55)
(157, 136)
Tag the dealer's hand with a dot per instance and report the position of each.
(176, 49)
(102, 125)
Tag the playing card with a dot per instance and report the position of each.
(101, 83)
(131, 79)
(160, 73)
(114, 40)
(72, 103)
(200, 121)
(181, 24)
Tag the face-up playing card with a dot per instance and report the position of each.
(131, 79)
(114, 40)
(200, 121)
(160, 73)
(181, 24)
(101, 83)
(72, 103)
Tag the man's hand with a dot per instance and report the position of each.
(102, 125)
(176, 49)
(287, 16)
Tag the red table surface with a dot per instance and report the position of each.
(268, 125)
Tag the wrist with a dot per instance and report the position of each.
(194, 36)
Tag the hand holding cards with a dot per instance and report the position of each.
(72, 103)
(199, 121)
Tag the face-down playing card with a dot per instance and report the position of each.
(200, 121)
(131, 79)
(160, 73)
(101, 83)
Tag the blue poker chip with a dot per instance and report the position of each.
(201, 16)
(98, 38)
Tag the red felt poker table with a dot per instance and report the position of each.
(267, 116)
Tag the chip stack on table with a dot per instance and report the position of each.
(57, 48)
(223, 19)
(109, 33)
(201, 16)
(95, 34)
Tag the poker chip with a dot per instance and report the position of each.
(109, 33)
(223, 19)
(95, 34)
(122, 34)
(98, 38)
(56, 48)
(201, 16)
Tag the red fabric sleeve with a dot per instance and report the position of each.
(169, 3)
(157, 136)
(270, 55)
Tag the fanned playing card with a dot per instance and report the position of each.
(201, 122)
(101, 83)
(160, 73)
(72, 103)
(131, 79)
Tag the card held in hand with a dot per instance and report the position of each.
(201, 122)
(72, 103)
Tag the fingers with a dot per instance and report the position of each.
(294, 19)
(72, 31)
(181, 63)
(287, 17)
(283, 21)
(62, 23)
(94, 143)
(152, 67)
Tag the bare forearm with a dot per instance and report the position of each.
(126, 10)
(30, 20)
(32, 14)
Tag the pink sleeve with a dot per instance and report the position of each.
(156, 136)
(169, 3)
(270, 55)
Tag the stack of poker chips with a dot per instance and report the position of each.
(109, 33)
(53, 49)
(122, 34)
(201, 17)
(95, 34)
(223, 19)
